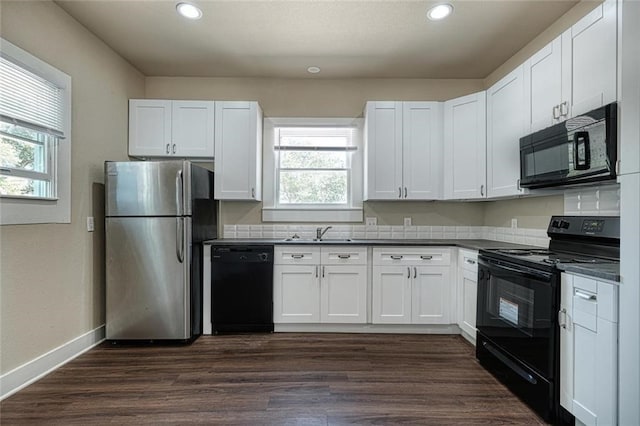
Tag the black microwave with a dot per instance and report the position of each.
(580, 150)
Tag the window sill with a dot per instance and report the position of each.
(312, 215)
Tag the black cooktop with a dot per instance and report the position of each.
(574, 239)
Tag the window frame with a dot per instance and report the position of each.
(273, 211)
(17, 209)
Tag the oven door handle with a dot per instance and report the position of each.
(512, 365)
(523, 271)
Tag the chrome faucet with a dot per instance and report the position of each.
(320, 232)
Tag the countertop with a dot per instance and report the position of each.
(605, 271)
(468, 244)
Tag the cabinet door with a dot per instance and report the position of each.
(391, 295)
(543, 87)
(593, 45)
(465, 143)
(238, 150)
(505, 108)
(422, 150)
(469, 287)
(383, 151)
(296, 294)
(149, 128)
(343, 294)
(565, 318)
(192, 128)
(431, 295)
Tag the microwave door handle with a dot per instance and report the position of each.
(581, 139)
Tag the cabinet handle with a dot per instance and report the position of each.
(396, 257)
(253, 193)
(415, 272)
(399, 192)
(323, 272)
(518, 185)
(482, 190)
(556, 112)
(344, 256)
(316, 271)
(408, 272)
(426, 257)
(174, 148)
(470, 261)
(585, 296)
(168, 148)
(562, 314)
(405, 192)
(297, 256)
(564, 109)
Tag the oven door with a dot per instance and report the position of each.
(517, 309)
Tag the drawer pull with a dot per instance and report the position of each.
(297, 256)
(470, 261)
(396, 257)
(344, 256)
(586, 296)
(427, 257)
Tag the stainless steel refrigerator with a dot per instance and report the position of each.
(157, 215)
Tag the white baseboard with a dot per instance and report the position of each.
(367, 328)
(32, 371)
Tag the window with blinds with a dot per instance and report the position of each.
(313, 166)
(31, 127)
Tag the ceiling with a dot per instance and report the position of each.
(345, 38)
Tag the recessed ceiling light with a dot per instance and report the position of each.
(189, 10)
(313, 70)
(439, 12)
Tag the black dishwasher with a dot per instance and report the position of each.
(242, 289)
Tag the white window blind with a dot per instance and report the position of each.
(30, 101)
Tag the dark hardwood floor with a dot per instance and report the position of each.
(275, 379)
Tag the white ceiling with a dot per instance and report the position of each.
(345, 38)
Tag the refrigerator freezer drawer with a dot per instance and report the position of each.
(148, 278)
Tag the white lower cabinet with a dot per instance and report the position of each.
(320, 284)
(411, 286)
(589, 349)
(467, 292)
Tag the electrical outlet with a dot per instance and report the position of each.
(371, 221)
(514, 223)
(90, 224)
(407, 221)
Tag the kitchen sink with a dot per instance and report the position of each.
(315, 240)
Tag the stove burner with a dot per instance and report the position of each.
(524, 252)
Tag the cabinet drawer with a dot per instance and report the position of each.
(411, 256)
(343, 255)
(468, 260)
(296, 255)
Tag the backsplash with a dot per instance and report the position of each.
(535, 237)
(594, 201)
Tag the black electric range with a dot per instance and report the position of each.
(518, 303)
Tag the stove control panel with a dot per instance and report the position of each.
(585, 226)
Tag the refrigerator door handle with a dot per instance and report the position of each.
(180, 239)
(179, 193)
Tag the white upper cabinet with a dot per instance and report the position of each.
(505, 127)
(238, 144)
(164, 128)
(575, 73)
(592, 43)
(465, 143)
(403, 150)
(544, 85)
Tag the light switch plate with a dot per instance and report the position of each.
(371, 221)
(90, 224)
(407, 221)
